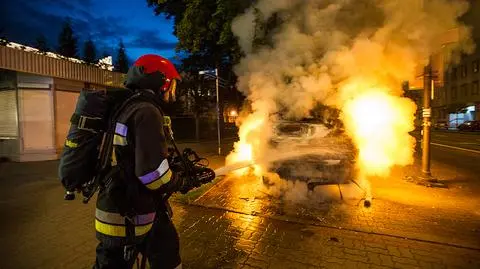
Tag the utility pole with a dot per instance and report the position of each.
(427, 112)
(218, 113)
(217, 84)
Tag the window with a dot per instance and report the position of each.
(464, 89)
(475, 66)
(454, 73)
(464, 71)
(454, 93)
(475, 88)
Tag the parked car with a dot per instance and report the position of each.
(441, 125)
(311, 152)
(473, 125)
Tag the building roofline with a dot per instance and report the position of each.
(30, 60)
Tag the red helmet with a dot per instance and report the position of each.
(154, 72)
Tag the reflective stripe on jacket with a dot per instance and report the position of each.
(140, 148)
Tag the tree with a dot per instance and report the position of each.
(204, 30)
(41, 43)
(67, 42)
(193, 92)
(122, 61)
(89, 54)
(2, 33)
(204, 26)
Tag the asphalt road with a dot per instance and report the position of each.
(458, 150)
(462, 141)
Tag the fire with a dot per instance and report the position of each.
(379, 124)
(348, 55)
(249, 144)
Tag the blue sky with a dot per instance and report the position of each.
(105, 21)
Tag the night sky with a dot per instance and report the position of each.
(105, 21)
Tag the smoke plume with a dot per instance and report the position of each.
(349, 54)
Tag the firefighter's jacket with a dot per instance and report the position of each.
(130, 199)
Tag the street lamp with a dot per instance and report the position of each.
(450, 37)
(210, 72)
(426, 113)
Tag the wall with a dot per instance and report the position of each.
(10, 149)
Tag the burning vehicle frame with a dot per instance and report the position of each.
(316, 154)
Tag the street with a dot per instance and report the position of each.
(456, 154)
(459, 150)
(241, 223)
(460, 140)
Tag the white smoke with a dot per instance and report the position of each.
(320, 43)
(332, 51)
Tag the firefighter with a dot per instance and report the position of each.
(131, 216)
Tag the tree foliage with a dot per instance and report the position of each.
(67, 41)
(89, 51)
(204, 27)
(204, 32)
(41, 43)
(122, 60)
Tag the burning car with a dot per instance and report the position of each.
(309, 151)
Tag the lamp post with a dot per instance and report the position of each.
(426, 113)
(203, 72)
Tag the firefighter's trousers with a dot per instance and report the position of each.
(161, 247)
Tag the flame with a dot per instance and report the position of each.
(249, 144)
(379, 124)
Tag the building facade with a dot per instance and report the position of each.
(458, 100)
(456, 94)
(38, 94)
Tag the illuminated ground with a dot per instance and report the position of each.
(237, 224)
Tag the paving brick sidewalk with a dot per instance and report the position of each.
(421, 221)
(40, 230)
(60, 235)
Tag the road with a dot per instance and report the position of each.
(455, 150)
(461, 141)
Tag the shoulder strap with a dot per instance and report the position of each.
(137, 101)
(122, 114)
